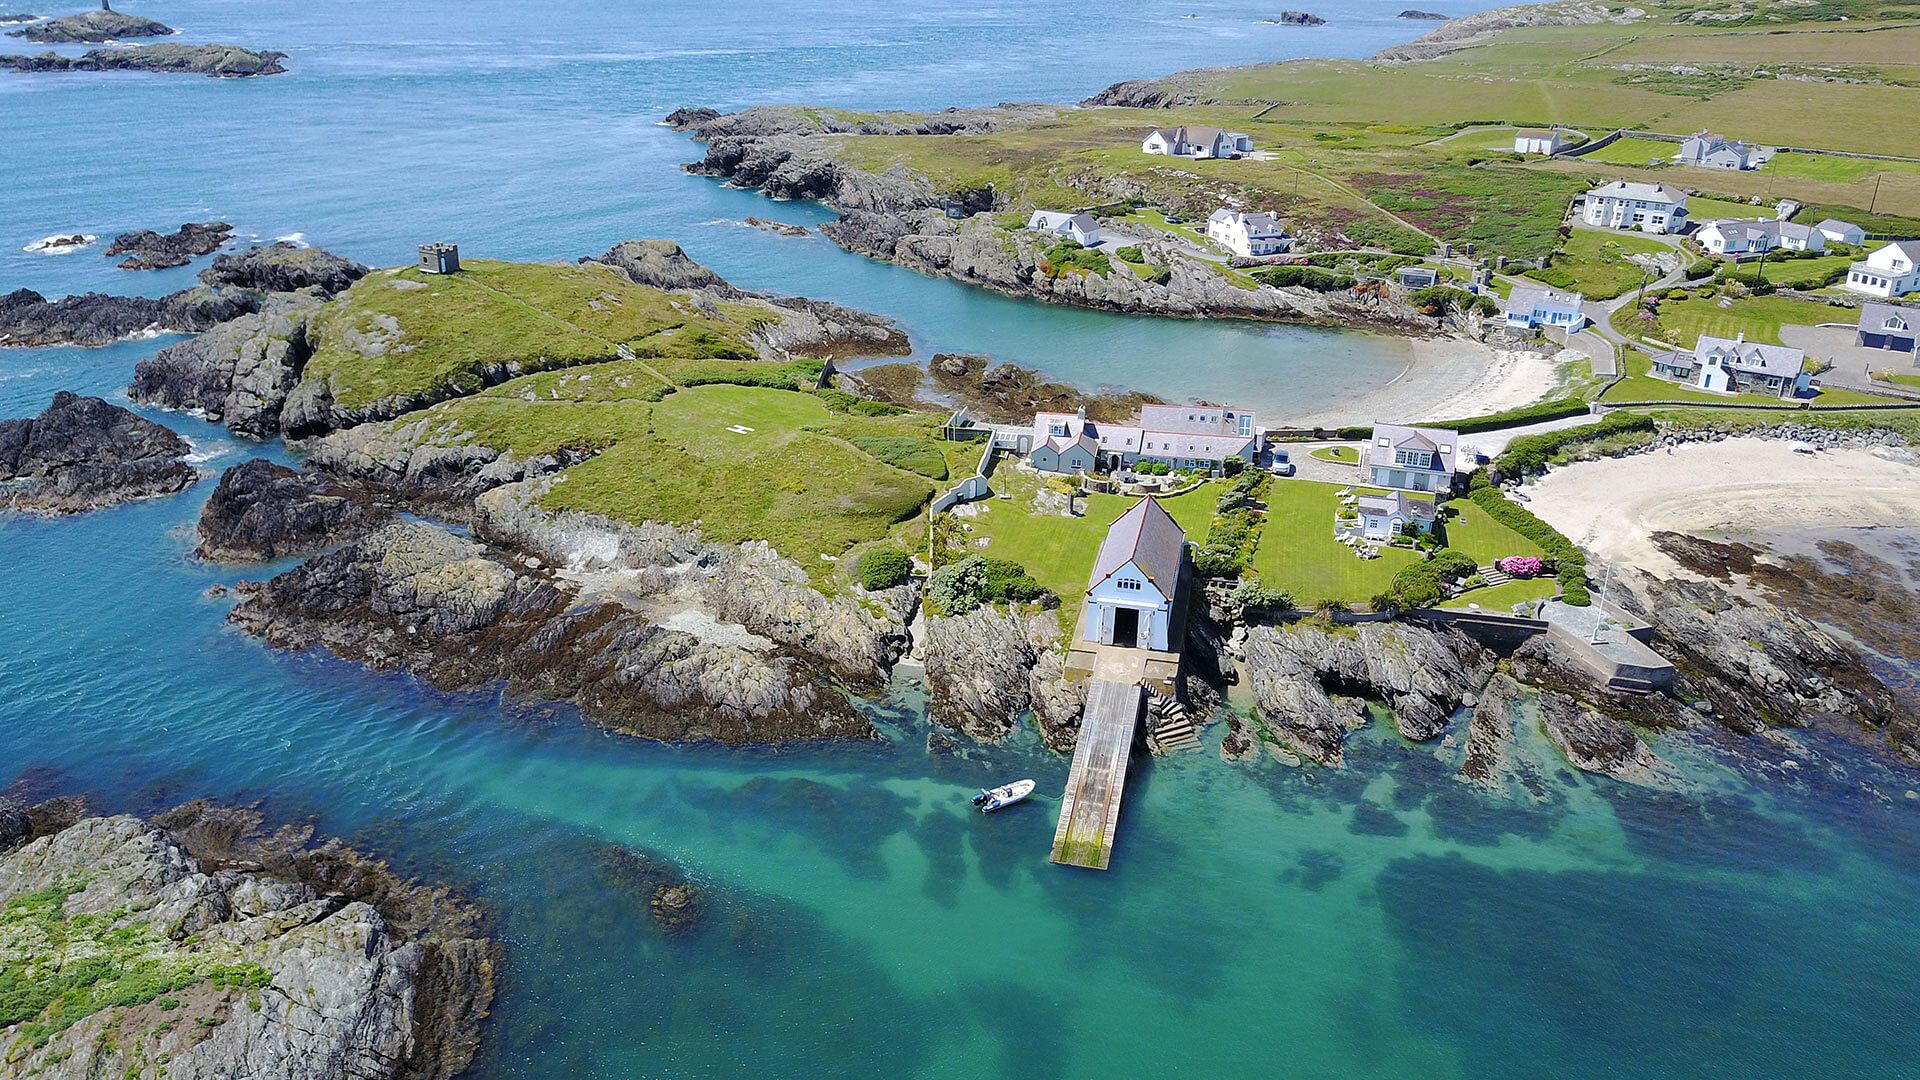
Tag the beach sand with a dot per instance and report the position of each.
(1748, 489)
(1446, 379)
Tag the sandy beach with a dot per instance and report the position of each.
(1737, 488)
(1447, 378)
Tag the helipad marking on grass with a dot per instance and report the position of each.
(740, 429)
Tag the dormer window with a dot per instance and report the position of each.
(1894, 322)
(1415, 459)
(1057, 428)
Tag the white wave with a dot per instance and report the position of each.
(58, 244)
(212, 451)
(297, 239)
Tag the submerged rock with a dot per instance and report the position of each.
(217, 61)
(415, 597)
(287, 962)
(676, 904)
(149, 250)
(83, 454)
(262, 511)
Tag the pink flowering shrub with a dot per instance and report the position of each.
(1522, 566)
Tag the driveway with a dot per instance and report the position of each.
(1308, 467)
(1850, 362)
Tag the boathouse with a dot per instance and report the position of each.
(1135, 577)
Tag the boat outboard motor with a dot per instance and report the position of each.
(982, 797)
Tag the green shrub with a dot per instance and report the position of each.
(1070, 255)
(1539, 411)
(1304, 277)
(1554, 276)
(1437, 300)
(1131, 253)
(1531, 453)
(884, 568)
(961, 586)
(1254, 595)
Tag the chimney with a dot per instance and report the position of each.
(1740, 338)
(1081, 414)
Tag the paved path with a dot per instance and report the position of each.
(1308, 467)
(1600, 312)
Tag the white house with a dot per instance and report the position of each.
(1893, 270)
(1248, 235)
(1195, 141)
(1709, 151)
(1136, 577)
(1541, 141)
(1385, 515)
(1757, 237)
(1178, 436)
(1888, 326)
(1412, 458)
(1654, 208)
(1736, 365)
(1842, 232)
(1080, 227)
(1529, 309)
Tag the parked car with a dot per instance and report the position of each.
(1175, 219)
(1281, 465)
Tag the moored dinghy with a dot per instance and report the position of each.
(1004, 796)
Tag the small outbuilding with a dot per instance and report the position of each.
(1888, 326)
(440, 258)
(1135, 579)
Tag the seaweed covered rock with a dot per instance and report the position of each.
(83, 454)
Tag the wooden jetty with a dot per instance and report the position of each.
(1090, 807)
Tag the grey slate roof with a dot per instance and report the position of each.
(1751, 356)
(1390, 437)
(1873, 318)
(1621, 189)
(1148, 537)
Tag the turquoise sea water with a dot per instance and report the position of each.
(1380, 921)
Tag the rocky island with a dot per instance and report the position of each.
(1295, 18)
(92, 27)
(216, 61)
(149, 250)
(196, 947)
(82, 454)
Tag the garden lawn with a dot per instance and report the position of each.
(1342, 455)
(1298, 551)
(1704, 208)
(1801, 273)
(1501, 598)
(1759, 317)
(1059, 551)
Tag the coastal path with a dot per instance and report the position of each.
(1090, 806)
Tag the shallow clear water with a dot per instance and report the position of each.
(1382, 920)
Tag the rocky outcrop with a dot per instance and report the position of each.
(217, 61)
(416, 597)
(1296, 18)
(284, 267)
(238, 373)
(660, 889)
(15, 826)
(1297, 671)
(30, 320)
(988, 668)
(281, 961)
(1012, 394)
(797, 327)
(749, 586)
(1416, 13)
(261, 511)
(440, 474)
(149, 250)
(92, 27)
(1490, 734)
(1757, 665)
(83, 454)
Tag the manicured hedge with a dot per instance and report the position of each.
(1570, 562)
(1538, 412)
(1530, 453)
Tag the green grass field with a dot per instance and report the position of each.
(1759, 317)
(1836, 169)
(1629, 150)
(1501, 598)
(1704, 208)
(402, 332)
(1059, 551)
(1597, 263)
(1340, 455)
(1801, 273)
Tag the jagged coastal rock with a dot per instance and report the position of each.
(82, 454)
(988, 668)
(261, 510)
(238, 373)
(1416, 13)
(216, 61)
(415, 597)
(29, 320)
(282, 960)
(149, 250)
(92, 27)
(284, 267)
(1296, 18)
(1299, 670)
